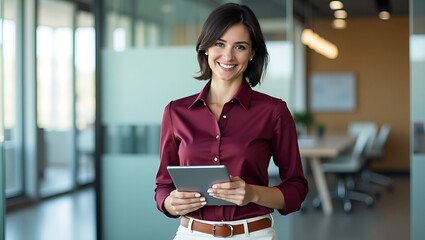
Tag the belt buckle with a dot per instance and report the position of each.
(222, 225)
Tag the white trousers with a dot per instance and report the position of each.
(184, 233)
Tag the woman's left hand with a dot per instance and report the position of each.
(236, 191)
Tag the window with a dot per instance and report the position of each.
(12, 104)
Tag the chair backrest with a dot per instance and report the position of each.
(360, 145)
(351, 162)
(355, 128)
(382, 137)
(377, 149)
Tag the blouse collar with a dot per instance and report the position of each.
(243, 95)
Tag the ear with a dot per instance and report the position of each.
(252, 55)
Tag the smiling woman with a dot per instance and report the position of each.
(228, 123)
(228, 60)
(146, 87)
(238, 37)
(229, 56)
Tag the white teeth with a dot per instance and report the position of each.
(226, 66)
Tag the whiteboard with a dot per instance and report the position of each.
(332, 92)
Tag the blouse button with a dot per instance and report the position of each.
(217, 137)
(224, 116)
(216, 159)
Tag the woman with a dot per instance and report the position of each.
(228, 123)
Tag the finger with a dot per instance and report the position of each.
(226, 185)
(230, 186)
(236, 199)
(235, 182)
(182, 209)
(236, 178)
(178, 194)
(232, 193)
(187, 200)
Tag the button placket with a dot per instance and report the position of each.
(215, 146)
(221, 124)
(217, 137)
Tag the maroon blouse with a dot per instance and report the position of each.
(252, 129)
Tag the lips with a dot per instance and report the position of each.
(227, 66)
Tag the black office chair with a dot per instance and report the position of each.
(347, 167)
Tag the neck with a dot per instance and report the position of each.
(221, 92)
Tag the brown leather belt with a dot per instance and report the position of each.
(226, 230)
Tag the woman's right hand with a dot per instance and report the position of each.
(181, 203)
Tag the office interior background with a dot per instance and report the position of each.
(83, 85)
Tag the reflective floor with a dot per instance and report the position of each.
(72, 217)
(388, 219)
(67, 217)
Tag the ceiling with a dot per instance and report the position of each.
(354, 8)
(304, 10)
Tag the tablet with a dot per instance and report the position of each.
(199, 179)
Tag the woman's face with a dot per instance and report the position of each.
(230, 55)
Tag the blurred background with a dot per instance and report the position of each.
(83, 84)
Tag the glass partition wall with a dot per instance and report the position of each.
(147, 58)
(55, 95)
(2, 137)
(12, 131)
(417, 114)
(48, 97)
(85, 103)
(65, 96)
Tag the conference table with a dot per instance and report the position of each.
(314, 151)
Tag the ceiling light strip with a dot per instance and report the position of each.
(319, 44)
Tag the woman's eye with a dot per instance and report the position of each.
(240, 47)
(219, 44)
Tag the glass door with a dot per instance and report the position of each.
(12, 105)
(2, 138)
(55, 96)
(85, 96)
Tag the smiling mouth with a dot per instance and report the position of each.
(227, 66)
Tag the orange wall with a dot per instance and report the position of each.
(377, 52)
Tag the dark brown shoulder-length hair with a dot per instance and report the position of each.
(221, 19)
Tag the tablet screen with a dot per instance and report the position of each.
(199, 179)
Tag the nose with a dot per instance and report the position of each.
(227, 54)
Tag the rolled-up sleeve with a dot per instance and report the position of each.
(286, 156)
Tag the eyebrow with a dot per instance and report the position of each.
(240, 42)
